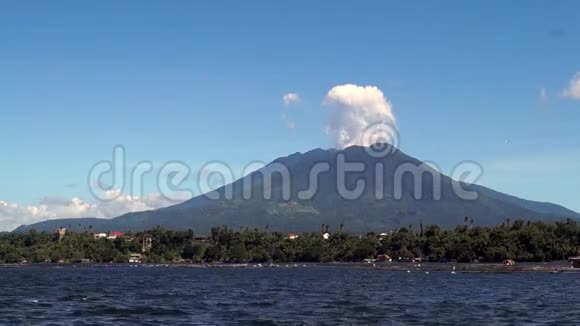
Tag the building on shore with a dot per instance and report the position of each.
(60, 233)
(114, 235)
(200, 238)
(575, 261)
(292, 236)
(509, 262)
(111, 235)
(384, 258)
(135, 258)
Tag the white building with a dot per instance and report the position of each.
(135, 258)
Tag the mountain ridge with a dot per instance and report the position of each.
(326, 206)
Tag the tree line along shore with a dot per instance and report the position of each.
(522, 241)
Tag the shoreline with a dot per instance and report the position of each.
(553, 267)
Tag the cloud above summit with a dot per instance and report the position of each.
(355, 111)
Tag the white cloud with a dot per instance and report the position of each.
(13, 215)
(291, 98)
(543, 99)
(573, 89)
(290, 124)
(355, 110)
(543, 95)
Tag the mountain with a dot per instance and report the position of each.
(367, 212)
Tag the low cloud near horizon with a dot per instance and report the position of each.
(354, 110)
(12, 215)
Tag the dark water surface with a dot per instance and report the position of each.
(268, 296)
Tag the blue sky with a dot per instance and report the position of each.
(198, 81)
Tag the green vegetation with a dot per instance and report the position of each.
(520, 240)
